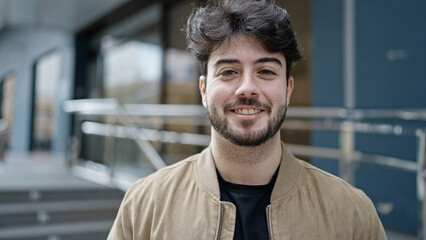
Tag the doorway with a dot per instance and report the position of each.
(7, 95)
(46, 78)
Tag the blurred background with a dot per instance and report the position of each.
(95, 94)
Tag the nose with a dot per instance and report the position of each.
(247, 87)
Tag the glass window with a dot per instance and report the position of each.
(126, 64)
(130, 61)
(132, 72)
(181, 85)
(182, 72)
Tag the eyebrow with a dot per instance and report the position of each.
(223, 61)
(269, 59)
(261, 60)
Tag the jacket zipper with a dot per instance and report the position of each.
(222, 211)
(268, 222)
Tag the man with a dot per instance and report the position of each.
(245, 185)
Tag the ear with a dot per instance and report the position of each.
(289, 89)
(202, 86)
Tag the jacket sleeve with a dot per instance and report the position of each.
(377, 231)
(122, 229)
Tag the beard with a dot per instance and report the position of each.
(246, 138)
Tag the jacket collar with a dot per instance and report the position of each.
(288, 175)
(205, 171)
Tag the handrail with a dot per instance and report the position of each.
(143, 143)
(347, 122)
(109, 106)
(99, 129)
(336, 119)
(127, 112)
(101, 106)
(146, 134)
(106, 106)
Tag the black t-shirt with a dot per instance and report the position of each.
(251, 203)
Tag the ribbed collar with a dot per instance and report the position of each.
(205, 171)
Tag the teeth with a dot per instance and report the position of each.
(247, 111)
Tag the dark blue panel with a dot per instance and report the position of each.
(390, 69)
(390, 73)
(394, 188)
(328, 139)
(327, 70)
(325, 139)
(395, 146)
(391, 54)
(327, 61)
(326, 164)
(388, 185)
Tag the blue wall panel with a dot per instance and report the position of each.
(327, 69)
(388, 186)
(327, 64)
(390, 73)
(391, 70)
(391, 54)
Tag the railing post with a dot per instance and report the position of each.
(4, 135)
(109, 146)
(421, 180)
(75, 142)
(347, 143)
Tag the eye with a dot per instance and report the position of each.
(267, 72)
(227, 72)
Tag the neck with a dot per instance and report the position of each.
(246, 165)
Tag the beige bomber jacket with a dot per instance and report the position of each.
(182, 202)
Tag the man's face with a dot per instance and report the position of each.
(246, 94)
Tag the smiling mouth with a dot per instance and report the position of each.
(245, 111)
(247, 107)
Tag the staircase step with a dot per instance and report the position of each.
(18, 208)
(75, 236)
(68, 231)
(13, 215)
(54, 195)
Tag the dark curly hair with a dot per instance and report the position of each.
(207, 27)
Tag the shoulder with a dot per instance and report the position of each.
(148, 197)
(335, 193)
(344, 202)
(161, 181)
(329, 183)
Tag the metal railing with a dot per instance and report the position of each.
(135, 121)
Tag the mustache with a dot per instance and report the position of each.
(247, 102)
